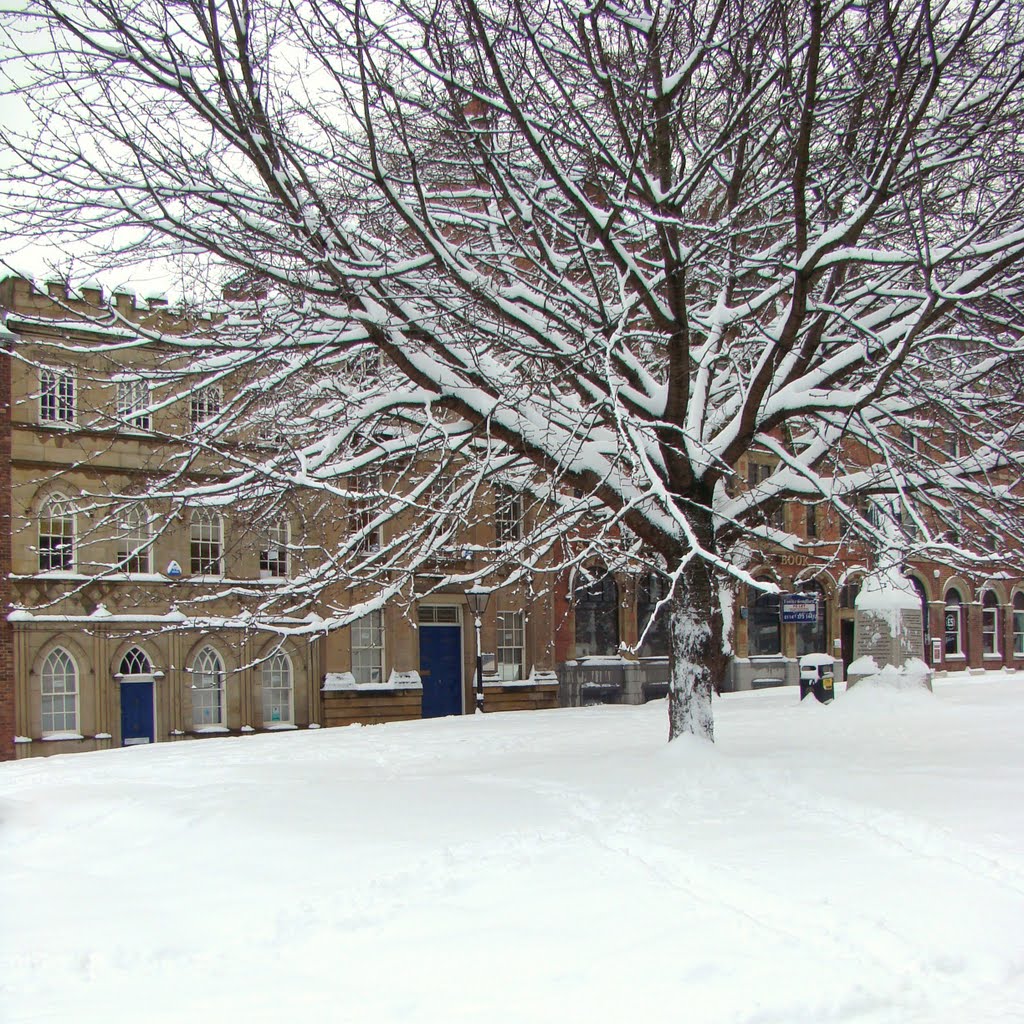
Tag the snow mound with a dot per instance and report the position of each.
(912, 677)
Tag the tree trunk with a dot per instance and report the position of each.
(696, 655)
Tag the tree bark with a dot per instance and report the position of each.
(697, 658)
(695, 652)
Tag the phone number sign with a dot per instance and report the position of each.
(799, 608)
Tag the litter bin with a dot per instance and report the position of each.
(817, 676)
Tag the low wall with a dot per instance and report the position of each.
(370, 707)
(521, 697)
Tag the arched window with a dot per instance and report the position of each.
(133, 403)
(134, 541)
(651, 589)
(207, 689)
(990, 623)
(1018, 625)
(56, 395)
(206, 538)
(954, 624)
(812, 637)
(764, 635)
(204, 405)
(58, 684)
(276, 683)
(56, 534)
(135, 663)
(596, 600)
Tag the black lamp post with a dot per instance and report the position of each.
(478, 597)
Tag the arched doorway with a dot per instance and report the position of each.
(137, 680)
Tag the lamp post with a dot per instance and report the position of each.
(478, 597)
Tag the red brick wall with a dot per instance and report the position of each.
(6, 633)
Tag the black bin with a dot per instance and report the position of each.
(817, 676)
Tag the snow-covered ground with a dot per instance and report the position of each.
(862, 862)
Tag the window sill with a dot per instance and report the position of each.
(211, 730)
(992, 657)
(954, 657)
(279, 726)
(58, 737)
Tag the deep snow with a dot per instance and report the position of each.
(860, 862)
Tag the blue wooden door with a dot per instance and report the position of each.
(137, 714)
(441, 670)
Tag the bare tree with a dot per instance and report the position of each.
(614, 247)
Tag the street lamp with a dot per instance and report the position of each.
(477, 598)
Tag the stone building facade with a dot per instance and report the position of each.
(136, 623)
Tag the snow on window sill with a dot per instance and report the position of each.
(56, 737)
(279, 726)
(22, 739)
(210, 730)
(102, 736)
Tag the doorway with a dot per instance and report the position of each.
(441, 660)
(137, 714)
(846, 638)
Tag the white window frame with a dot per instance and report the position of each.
(278, 689)
(57, 541)
(135, 541)
(508, 516)
(136, 665)
(204, 404)
(361, 511)
(206, 543)
(57, 395)
(956, 609)
(511, 645)
(208, 690)
(58, 669)
(1018, 625)
(133, 401)
(367, 638)
(990, 626)
(274, 550)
